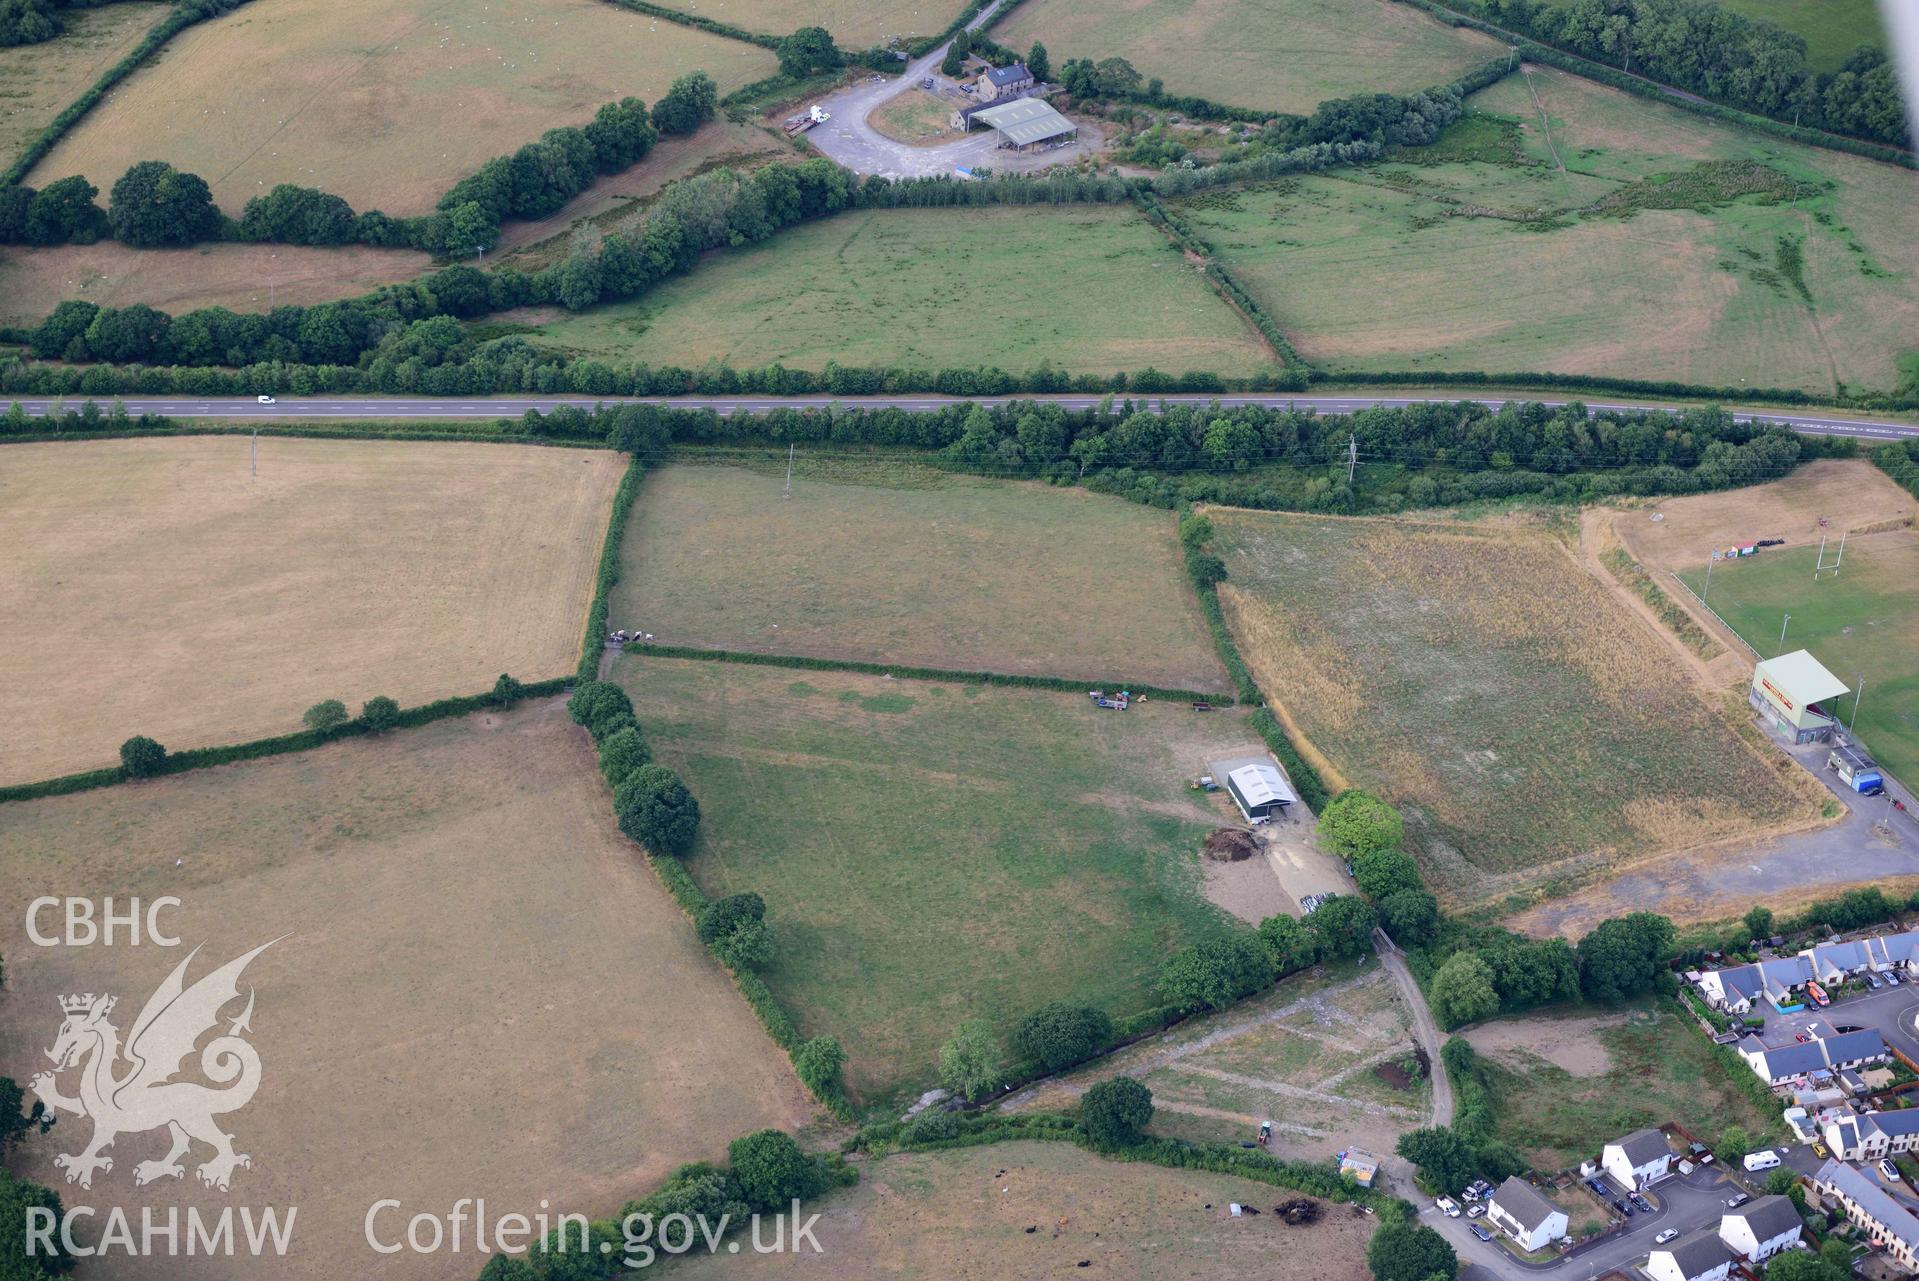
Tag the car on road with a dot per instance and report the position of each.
(1665, 1236)
(1735, 1201)
(266, 400)
(1890, 1170)
(1480, 1232)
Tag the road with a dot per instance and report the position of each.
(849, 141)
(1684, 1201)
(1425, 1028)
(1809, 422)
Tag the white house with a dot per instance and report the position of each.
(1697, 1256)
(1779, 1064)
(1872, 1135)
(1761, 1228)
(1868, 1205)
(1520, 1211)
(1638, 1160)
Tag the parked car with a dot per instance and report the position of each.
(1872, 981)
(1736, 1200)
(1819, 1150)
(1473, 1212)
(1624, 1208)
(1480, 1232)
(1448, 1207)
(1890, 1170)
(1892, 978)
(1599, 1189)
(1642, 1203)
(1665, 1236)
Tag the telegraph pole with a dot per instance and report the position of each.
(789, 471)
(1352, 458)
(256, 459)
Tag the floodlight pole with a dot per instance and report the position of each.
(1857, 694)
(1782, 632)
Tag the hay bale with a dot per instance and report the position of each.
(1231, 844)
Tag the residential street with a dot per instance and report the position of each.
(1684, 1202)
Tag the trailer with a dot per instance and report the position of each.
(1856, 770)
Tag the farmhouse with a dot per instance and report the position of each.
(1025, 124)
(1520, 1211)
(1697, 1256)
(1891, 1225)
(1776, 1065)
(1761, 1228)
(1638, 1160)
(997, 83)
(1259, 790)
(1788, 692)
(1872, 1135)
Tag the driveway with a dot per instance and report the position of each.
(1685, 1202)
(849, 141)
(1873, 842)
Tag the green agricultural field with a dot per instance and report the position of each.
(935, 289)
(896, 562)
(1531, 728)
(1565, 1086)
(931, 852)
(855, 24)
(1863, 624)
(1288, 55)
(1669, 247)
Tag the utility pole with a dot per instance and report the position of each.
(1782, 633)
(789, 471)
(1857, 694)
(1352, 458)
(1706, 595)
(256, 474)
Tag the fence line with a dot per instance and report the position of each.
(1730, 629)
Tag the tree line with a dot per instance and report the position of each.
(1703, 46)
(154, 205)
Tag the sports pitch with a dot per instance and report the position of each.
(158, 587)
(1862, 623)
(903, 563)
(1531, 727)
(931, 852)
(479, 989)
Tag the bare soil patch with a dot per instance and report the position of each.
(1231, 844)
(481, 990)
(156, 587)
(1570, 1043)
(245, 278)
(384, 102)
(1039, 1209)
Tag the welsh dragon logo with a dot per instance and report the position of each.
(128, 1089)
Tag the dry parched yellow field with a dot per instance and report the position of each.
(156, 587)
(1479, 678)
(385, 102)
(238, 277)
(37, 81)
(971, 1212)
(478, 990)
